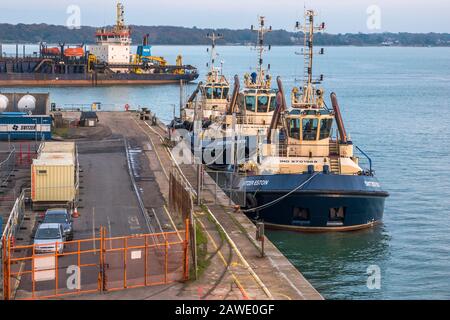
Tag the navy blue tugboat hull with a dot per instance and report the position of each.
(359, 200)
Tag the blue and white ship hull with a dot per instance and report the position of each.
(327, 202)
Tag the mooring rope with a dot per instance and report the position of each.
(282, 197)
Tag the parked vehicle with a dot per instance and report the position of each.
(63, 217)
(49, 238)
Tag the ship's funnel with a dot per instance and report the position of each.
(338, 116)
(281, 107)
(234, 96)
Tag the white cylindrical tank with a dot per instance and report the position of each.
(3, 103)
(27, 104)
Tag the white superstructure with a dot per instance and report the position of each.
(113, 44)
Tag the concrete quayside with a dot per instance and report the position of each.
(126, 168)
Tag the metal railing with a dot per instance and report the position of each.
(95, 265)
(371, 171)
(7, 166)
(228, 182)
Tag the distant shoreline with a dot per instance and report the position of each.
(177, 36)
(233, 45)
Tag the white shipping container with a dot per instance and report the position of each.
(57, 147)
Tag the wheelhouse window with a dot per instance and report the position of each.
(263, 103)
(209, 92)
(273, 103)
(250, 103)
(217, 93)
(294, 128)
(310, 129)
(226, 90)
(325, 128)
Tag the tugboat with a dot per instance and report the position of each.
(304, 179)
(253, 107)
(247, 115)
(210, 98)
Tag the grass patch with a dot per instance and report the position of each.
(62, 132)
(202, 251)
(222, 235)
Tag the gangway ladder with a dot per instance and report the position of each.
(335, 166)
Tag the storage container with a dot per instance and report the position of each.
(57, 147)
(53, 178)
(18, 126)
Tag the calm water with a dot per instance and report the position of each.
(396, 106)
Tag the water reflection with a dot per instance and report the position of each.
(333, 261)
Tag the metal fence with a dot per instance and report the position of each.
(16, 216)
(100, 264)
(229, 183)
(181, 204)
(7, 165)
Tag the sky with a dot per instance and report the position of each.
(341, 16)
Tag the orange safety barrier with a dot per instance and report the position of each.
(95, 265)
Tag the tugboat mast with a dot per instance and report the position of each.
(308, 97)
(213, 37)
(260, 81)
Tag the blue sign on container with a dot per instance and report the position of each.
(25, 127)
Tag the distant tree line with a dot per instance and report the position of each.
(168, 35)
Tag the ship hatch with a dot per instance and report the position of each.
(301, 216)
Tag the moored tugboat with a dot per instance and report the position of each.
(210, 99)
(254, 105)
(304, 179)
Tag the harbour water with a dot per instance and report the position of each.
(396, 107)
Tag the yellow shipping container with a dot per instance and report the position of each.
(53, 178)
(57, 147)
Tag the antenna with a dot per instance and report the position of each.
(260, 48)
(308, 29)
(213, 37)
(308, 92)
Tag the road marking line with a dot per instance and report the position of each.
(154, 148)
(173, 223)
(93, 229)
(238, 283)
(110, 233)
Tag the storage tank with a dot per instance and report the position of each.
(27, 104)
(3, 103)
(53, 178)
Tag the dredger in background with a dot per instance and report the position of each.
(108, 62)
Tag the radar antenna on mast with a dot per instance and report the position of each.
(260, 79)
(308, 97)
(213, 37)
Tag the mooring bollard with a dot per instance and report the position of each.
(260, 236)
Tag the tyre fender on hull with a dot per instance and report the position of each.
(250, 201)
